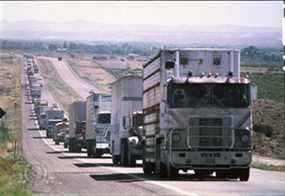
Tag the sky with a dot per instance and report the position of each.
(259, 13)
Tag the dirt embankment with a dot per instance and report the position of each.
(92, 72)
(269, 128)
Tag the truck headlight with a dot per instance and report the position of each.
(242, 139)
(176, 137)
(245, 139)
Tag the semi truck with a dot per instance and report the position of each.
(77, 126)
(126, 146)
(43, 107)
(38, 105)
(53, 115)
(61, 129)
(98, 124)
(197, 113)
(35, 92)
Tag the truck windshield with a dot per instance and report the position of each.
(104, 118)
(208, 95)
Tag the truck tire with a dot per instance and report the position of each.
(172, 173)
(47, 133)
(244, 174)
(73, 146)
(115, 159)
(222, 174)
(162, 172)
(98, 155)
(56, 142)
(90, 149)
(148, 168)
(132, 160)
(124, 152)
(77, 148)
(70, 147)
(65, 145)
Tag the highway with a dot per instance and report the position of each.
(58, 172)
(66, 73)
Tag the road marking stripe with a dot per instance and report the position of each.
(175, 189)
(118, 170)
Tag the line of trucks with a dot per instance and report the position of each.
(190, 110)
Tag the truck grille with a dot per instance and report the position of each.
(210, 133)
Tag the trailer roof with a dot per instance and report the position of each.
(197, 49)
(126, 76)
(212, 79)
(174, 49)
(92, 93)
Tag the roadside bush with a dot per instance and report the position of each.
(267, 130)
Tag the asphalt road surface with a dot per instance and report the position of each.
(58, 172)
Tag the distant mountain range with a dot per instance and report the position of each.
(227, 35)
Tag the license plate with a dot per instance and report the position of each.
(209, 158)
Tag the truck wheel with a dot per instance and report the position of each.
(70, 148)
(115, 159)
(97, 155)
(56, 142)
(244, 174)
(173, 172)
(78, 148)
(148, 168)
(90, 150)
(65, 145)
(132, 161)
(124, 152)
(221, 174)
(162, 173)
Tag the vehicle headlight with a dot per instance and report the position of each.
(176, 137)
(245, 139)
(242, 139)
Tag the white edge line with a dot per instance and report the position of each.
(146, 180)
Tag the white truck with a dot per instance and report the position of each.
(98, 124)
(126, 145)
(77, 126)
(53, 115)
(40, 108)
(61, 129)
(197, 113)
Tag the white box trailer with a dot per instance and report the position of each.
(126, 100)
(53, 115)
(98, 124)
(42, 115)
(77, 125)
(197, 113)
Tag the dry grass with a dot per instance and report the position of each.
(268, 167)
(10, 101)
(13, 166)
(92, 72)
